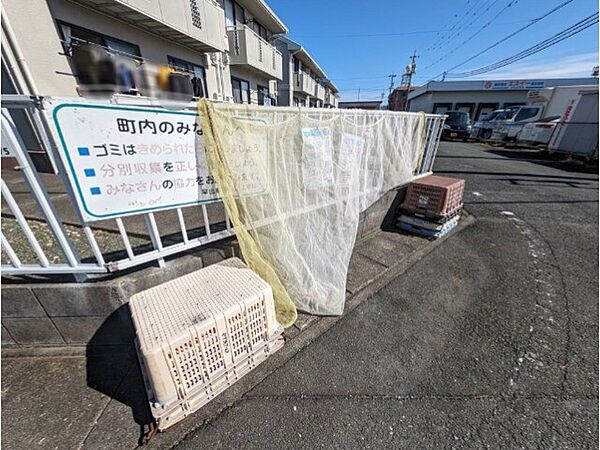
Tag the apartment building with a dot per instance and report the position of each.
(221, 49)
(54, 45)
(332, 95)
(304, 82)
(224, 50)
(255, 64)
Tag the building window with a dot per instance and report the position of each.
(260, 30)
(101, 63)
(196, 72)
(234, 14)
(263, 96)
(241, 90)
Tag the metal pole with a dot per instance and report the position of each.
(411, 71)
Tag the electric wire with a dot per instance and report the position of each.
(553, 40)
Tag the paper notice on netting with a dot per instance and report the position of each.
(321, 169)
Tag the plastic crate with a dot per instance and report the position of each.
(438, 219)
(422, 223)
(200, 333)
(427, 233)
(434, 196)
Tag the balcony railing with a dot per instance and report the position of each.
(319, 91)
(304, 83)
(248, 48)
(199, 24)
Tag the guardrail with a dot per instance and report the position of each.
(52, 237)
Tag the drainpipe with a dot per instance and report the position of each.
(222, 76)
(14, 46)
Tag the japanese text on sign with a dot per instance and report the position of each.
(127, 160)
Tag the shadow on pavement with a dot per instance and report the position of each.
(113, 369)
(555, 161)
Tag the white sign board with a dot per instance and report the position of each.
(317, 158)
(513, 85)
(123, 160)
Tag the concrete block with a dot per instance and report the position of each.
(20, 302)
(33, 331)
(80, 299)
(384, 251)
(115, 329)
(362, 271)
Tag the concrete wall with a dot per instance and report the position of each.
(40, 43)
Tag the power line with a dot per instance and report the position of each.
(405, 33)
(553, 40)
(369, 89)
(463, 43)
(530, 22)
(477, 15)
(514, 33)
(441, 38)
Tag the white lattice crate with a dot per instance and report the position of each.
(200, 333)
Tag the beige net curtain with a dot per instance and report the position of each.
(294, 182)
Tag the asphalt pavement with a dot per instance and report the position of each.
(491, 341)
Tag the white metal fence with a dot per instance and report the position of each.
(42, 233)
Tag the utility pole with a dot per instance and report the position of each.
(391, 77)
(358, 95)
(409, 71)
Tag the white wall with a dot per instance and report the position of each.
(39, 41)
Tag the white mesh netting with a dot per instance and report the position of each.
(294, 182)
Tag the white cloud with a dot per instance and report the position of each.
(566, 67)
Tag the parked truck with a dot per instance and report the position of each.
(542, 104)
(577, 131)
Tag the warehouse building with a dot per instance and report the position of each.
(480, 97)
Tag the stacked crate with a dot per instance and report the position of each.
(432, 206)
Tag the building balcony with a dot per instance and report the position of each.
(196, 24)
(319, 91)
(249, 49)
(304, 84)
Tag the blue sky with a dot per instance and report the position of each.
(359, 42)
